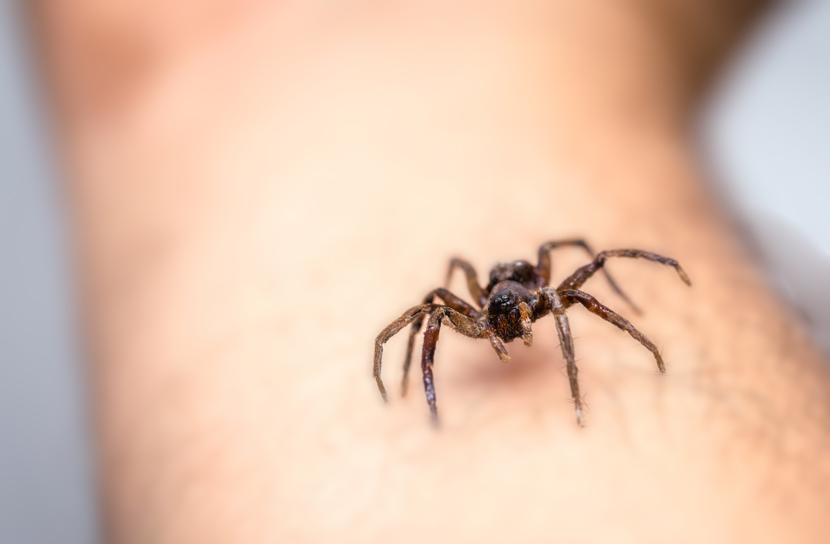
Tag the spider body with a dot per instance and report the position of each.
(516, 295)
(521, 272)
(503, 310)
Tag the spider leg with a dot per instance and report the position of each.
(467, 326)
(527, 332)
(460, 323)
(450, 300)
(428, 359)
(497, 344)
(478, 293)
(391, 330)
(596, 308)
(563, 329)
(544, 267)
(579, 277)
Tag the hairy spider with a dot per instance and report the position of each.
(516, 296)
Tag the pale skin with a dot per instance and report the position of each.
(256, 191)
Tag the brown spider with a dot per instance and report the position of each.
(516, 296)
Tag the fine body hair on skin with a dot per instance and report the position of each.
(257, 189)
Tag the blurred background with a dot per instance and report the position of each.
(763, 135)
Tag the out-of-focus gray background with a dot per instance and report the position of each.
(46, 491)
(765, 135)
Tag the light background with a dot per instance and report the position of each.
(765, 136)
(46, 491)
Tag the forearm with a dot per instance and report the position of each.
(247, 231)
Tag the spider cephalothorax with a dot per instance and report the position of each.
(509, 310)
(516, 296)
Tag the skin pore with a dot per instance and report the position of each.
(257, 190)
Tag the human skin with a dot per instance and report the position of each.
(258, 190)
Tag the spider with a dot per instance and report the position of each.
(516, 295)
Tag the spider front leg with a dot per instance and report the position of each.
(566, 342)
(428, 360)
(461, 324)
(582, 275)
(595, 307)
(391, 330)
(457, 320)
(450, 300)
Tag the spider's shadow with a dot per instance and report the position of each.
(529, 366)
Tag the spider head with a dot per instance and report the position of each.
(503, 312)
(503, 302)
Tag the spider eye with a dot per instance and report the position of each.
(504, 299)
